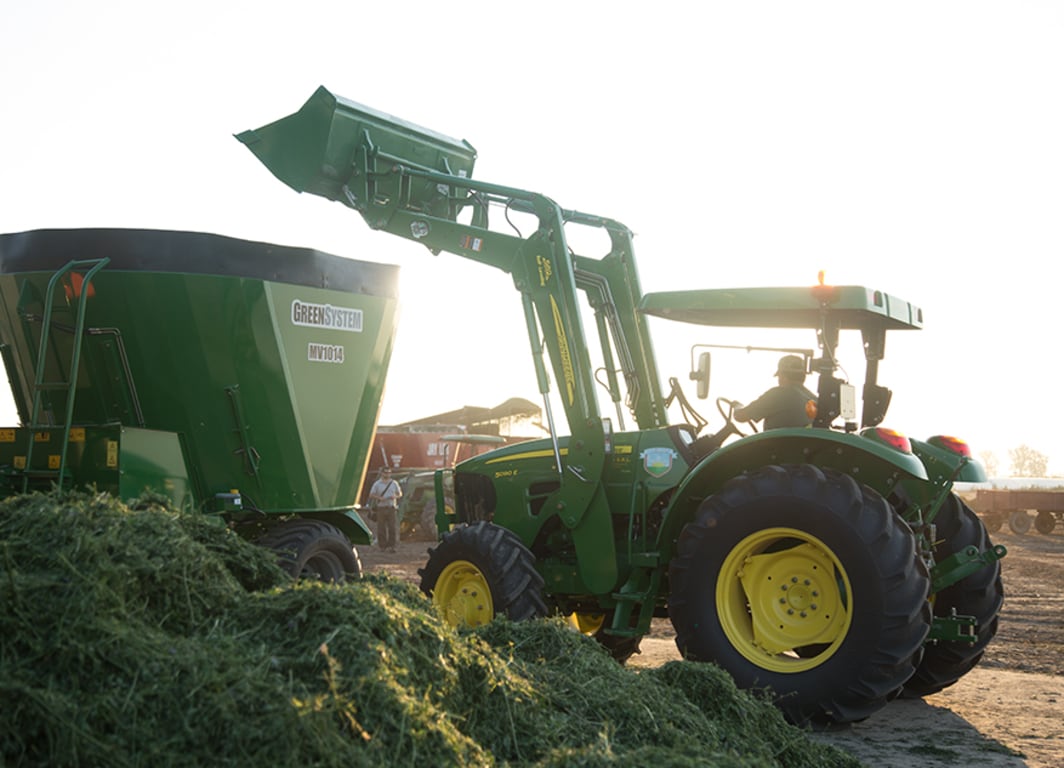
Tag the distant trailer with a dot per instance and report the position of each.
(1020, 508)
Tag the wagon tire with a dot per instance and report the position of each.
(1045, 522)
(1020, 522)
(313, 549)
(799, 580)
(481, 571)
(979, 594)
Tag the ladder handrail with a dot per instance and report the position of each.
(79, 332)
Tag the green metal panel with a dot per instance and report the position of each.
(267, 363)
(124, 461)
(152, 461)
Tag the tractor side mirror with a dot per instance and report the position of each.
(700, 375)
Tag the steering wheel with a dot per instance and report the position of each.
(727, 412)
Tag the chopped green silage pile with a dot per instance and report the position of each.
(149, 637)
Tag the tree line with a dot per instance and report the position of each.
(1024, 461)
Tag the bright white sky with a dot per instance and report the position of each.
(915, 147)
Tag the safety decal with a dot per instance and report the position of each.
(658, 461)
(471, 243)
(568, 373)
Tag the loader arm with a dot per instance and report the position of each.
(415, 183)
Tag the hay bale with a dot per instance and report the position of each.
(147, 637)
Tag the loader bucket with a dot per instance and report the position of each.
(266, 362)
(314, 149)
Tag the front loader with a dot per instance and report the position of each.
(832, 564)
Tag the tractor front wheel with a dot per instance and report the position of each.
(979, 594)
(313, 549)
(593, 625)
(481, 571)
(798, 579)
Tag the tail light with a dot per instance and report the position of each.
(951, 444)
(890, 438)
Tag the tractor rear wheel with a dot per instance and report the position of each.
(313, 549)
(979, 594)
(481, 571)
(798, 579)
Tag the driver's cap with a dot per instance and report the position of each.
(791, 365)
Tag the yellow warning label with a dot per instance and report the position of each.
(112, 453)
(19, 462)
(7, 435)
(77, 434)
(53, 461)
(42, 437)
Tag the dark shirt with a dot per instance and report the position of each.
(781, 406)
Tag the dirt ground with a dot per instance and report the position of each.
(1008, 711)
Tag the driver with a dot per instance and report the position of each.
(785, 405)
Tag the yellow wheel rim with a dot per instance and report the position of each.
(462, 595)
(784, 600)
(587, 623)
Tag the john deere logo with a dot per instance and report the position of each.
(658, 461)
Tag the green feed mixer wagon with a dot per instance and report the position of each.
(237, 379)
(832, 564)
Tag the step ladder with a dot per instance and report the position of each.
(79, 288)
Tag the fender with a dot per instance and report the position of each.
(347, 520)
(868, 462)
(945, 466)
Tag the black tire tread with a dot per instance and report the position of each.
(979, 594)
(293, 541)
(505, 562)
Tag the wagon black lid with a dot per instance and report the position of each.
(150, 250)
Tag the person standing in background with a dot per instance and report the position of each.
(384, 501)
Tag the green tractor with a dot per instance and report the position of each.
(834, 565)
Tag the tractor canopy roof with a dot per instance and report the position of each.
(848, 306)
